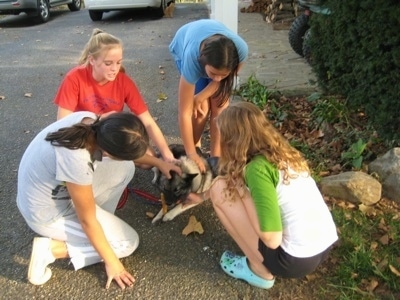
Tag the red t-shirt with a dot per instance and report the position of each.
(80, 92)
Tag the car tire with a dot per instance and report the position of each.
(158, 13)
(75, 5)
(296, 33)
(43, 11)
(95, 15)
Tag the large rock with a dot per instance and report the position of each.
(355, 187)
(387, 167)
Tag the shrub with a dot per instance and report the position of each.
(356, 53)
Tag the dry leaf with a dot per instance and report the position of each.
(394, 270)
(372, 285)
(384, 239)
(382, 265)
(367, 210)
(311, 277)
(373, 245)
(162, 97)
(150, 215)
(28, 95)
(193, 226)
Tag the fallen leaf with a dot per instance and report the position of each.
(394, 270)
(311, 277)
(372, 285)
(193, 226)
(367, 210)
(150, 215)
(384, 239)
(382, 264)
(162, 97)
(373, 245)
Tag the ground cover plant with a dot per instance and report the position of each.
(365, 263)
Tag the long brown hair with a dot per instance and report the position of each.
(122, 135)
(245, 133)
(220, 52)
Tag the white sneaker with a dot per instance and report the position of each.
(38, 272)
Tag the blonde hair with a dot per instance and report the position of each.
(99, 42)
(245, 133)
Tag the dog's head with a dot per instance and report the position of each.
(177, 188)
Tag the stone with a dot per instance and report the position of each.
(354, 187)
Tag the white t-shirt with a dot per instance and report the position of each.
(297, 209)
(42, 194)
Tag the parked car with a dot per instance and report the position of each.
(98, 7)
(39, 9)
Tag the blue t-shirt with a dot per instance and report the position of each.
(185, 46)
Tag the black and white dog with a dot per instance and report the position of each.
(176, 189)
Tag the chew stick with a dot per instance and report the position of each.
(164, 205)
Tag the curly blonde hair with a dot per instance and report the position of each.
(245, 133)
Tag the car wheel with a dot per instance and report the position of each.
(159, 12)
(75, 5)
(43, 11)
(95, 15)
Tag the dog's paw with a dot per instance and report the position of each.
(158, 217)
(177, 210)
(169, 216)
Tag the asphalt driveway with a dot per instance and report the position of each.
(167, 264)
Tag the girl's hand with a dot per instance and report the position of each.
(167, 167)
(118, 273)
(199, 162)
(194, 198)
(197, 109)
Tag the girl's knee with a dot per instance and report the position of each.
(129, 246)
(218, 191)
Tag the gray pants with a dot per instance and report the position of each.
(110, 179)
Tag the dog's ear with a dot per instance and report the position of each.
(191, 176)
(173, 173)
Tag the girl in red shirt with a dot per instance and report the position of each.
(100, 85)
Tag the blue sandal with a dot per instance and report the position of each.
(236, 267)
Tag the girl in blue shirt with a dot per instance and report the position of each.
(208, 56)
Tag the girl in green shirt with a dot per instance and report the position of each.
(267, 201)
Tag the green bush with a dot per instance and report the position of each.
(356, 53)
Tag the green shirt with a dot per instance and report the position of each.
(262, 178)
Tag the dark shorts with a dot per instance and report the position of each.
(282, 264)
(200, 84)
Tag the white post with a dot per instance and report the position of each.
(225, 11)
